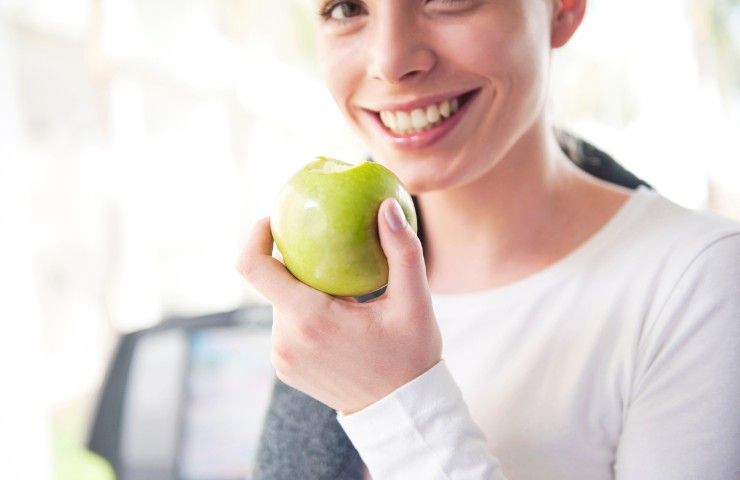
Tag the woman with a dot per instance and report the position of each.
(552, 325)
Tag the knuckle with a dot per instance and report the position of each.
(309, 331)
(315, 328)
(282, 356)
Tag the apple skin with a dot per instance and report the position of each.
(325, 225)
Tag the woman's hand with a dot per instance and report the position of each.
(343, 353)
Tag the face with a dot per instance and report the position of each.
(439, 90)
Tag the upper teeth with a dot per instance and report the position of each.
(419, 119)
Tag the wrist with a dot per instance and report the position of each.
(349, 410)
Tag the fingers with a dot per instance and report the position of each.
(270, 277)
(407, 276)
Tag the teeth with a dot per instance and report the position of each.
(432, 114)
(403, 121)
(419, 120)
(384, 117)
(390, 120)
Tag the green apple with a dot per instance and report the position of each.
(325, 225)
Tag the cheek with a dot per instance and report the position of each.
(502, 52)
(340, 68)
(530, 55)
(512, 57)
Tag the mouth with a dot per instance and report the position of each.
(408, 122)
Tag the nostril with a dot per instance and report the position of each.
(410, 75)
(396, 58)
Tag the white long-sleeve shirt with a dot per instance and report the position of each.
(621, 360)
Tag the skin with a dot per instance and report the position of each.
(499, 200)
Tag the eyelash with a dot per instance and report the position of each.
(453, 3)
(326, 10)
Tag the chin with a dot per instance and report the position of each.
(417, 188)
(418, 177)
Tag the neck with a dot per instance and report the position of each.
(504, 224)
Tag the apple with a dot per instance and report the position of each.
(325, 225)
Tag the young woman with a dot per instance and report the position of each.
(551, 324)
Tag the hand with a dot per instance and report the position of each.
(343, 353)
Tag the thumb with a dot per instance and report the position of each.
(407, 277)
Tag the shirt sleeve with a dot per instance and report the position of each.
(422, 430)
(683, 416)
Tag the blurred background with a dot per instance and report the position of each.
(140, 139)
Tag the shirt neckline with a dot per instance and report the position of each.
(548, 275)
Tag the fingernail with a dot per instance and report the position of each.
(394, 217)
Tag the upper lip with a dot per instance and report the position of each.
(409, 105)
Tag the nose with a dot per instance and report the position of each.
(399, 50)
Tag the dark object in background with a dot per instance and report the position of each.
(186, 399)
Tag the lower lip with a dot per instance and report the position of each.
(428, 137)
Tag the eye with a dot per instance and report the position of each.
(452, 5)
(342, 10)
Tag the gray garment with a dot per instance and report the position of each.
(301, 438)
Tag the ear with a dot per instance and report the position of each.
(567, 16)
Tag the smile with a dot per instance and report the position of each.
(425, 117)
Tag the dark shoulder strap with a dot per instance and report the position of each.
(596, 162)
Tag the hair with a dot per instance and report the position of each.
(572, 146)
